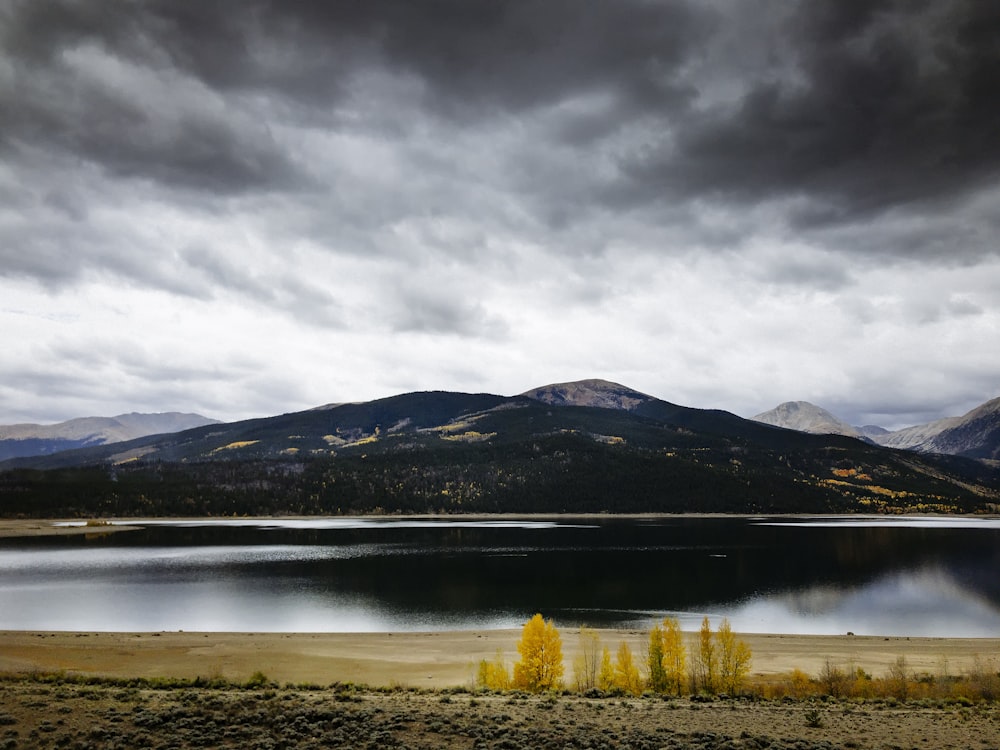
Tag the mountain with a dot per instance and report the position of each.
(806, 417)
(600, 393)
(917, 437)
(20, 440)
(975, 434)
(583, 447)
(872, 431)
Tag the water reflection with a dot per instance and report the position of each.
(894, 522)
(927, 602)
(869, 576)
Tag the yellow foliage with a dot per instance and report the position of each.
(706, 664)
(851, 473)
(493, 675)
(626, 672)
(469, 437)
(237, 444)
(657, 675)
(674, 657)
(541, 666)
(800, 684)
(734, 659)
(587, 664)
(606, 677)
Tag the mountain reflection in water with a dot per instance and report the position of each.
(915, 577)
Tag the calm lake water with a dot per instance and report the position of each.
(878, 576)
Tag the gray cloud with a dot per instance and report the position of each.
(719, 189)
(452, 312)
(879, 106)
(852, 110)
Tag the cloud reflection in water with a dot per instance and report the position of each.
(926, 602)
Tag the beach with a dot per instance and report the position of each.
(284, 710)
(433, 660)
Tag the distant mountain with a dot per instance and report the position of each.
(590, 446)
(806, 417)
(917, 437)
(975, 434)
(599, 393)
(21, 440)
(872, 431)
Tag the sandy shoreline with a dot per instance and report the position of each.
(12, 528)
(40, 527)
(437, 659)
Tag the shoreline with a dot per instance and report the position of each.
(431, 659)
(11, 528)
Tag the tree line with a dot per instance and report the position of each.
(713, 663)
(718, 662)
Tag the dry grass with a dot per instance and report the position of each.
(52, 712)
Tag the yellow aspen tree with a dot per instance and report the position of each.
(587, 663)
(606, 675)
(674, 656)
(493, 675)
(707, 664)
(734, 659)
(657, 677)
(626, 672)
(541, 664)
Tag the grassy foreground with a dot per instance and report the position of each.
(269, 691)
(43, 712)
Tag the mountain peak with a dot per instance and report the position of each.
(974, 434)
(806, 417)
(592, 392)
(35, 439)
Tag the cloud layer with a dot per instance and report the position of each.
(242, 208)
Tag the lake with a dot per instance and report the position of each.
(871, 576)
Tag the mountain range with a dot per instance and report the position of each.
(587, 446)
(20, 440)
(974, 435)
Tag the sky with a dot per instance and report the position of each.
(243, 208)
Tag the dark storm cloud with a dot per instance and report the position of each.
(847, 110)
(872, 106)
(96, 80)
